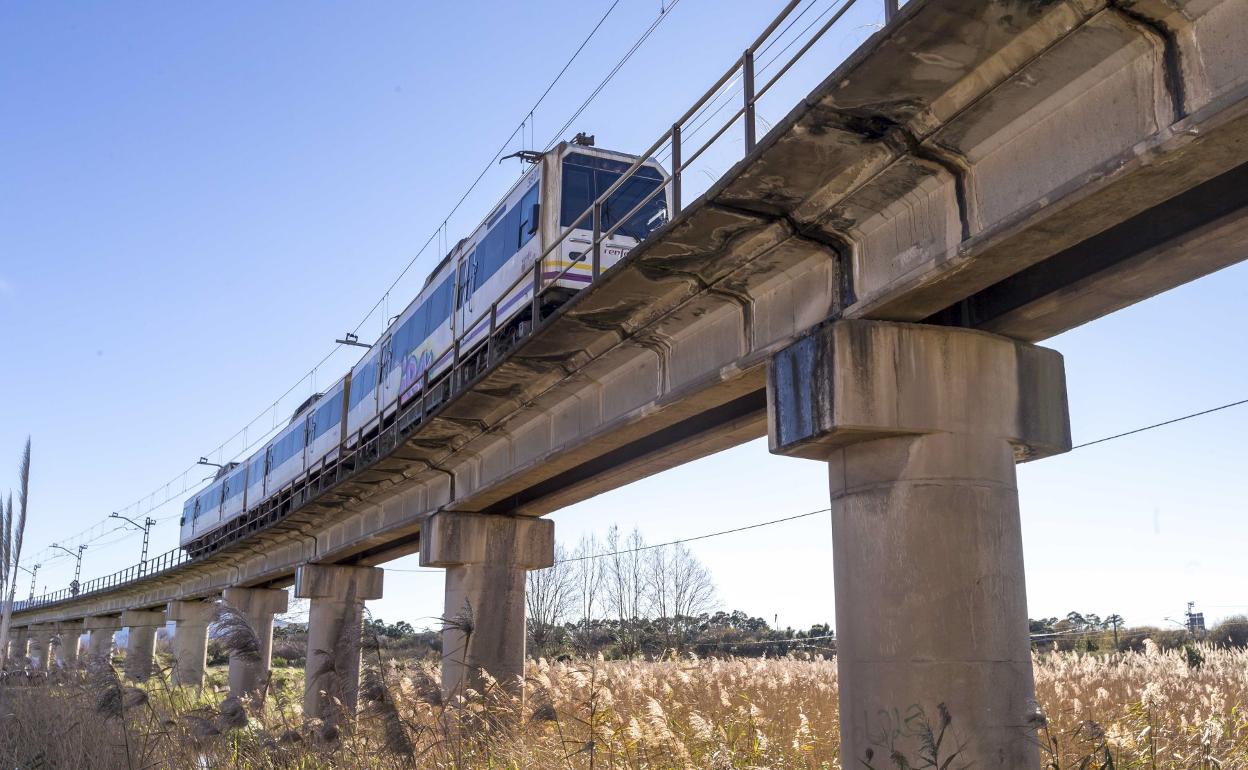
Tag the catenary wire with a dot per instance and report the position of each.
(610, 75)
(74, 540)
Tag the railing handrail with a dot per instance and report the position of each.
(744, 64)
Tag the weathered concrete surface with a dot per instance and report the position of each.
(335, 628)
(486, 558)
(258, 605)
(41, 646)
(19, 644)
(190, 640)
(70, 635)
(100, 632)
(1016, 166)
(141, 642)
(921, 427)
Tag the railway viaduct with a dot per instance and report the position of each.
(867, 287)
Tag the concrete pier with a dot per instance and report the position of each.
(486, 558)
(335, 627)
(141, 629)
(70, 635)
(190, 640)
(921, 427)
(258, 605)
(41, 646)
(100, 631)
(19, 644)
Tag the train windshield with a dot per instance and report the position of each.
(586, 177)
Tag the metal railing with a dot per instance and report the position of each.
(410, 408)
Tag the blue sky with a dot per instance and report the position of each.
(196, 200)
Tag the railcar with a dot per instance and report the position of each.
(481, 290)
(203, 509)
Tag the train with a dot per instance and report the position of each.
(482, 289)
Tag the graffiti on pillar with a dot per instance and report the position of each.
(907, 739)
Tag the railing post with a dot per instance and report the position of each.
(596, 262)
(675, 170)
(890, 10)
(747, 76)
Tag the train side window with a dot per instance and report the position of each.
(529, 213)
(439, 306)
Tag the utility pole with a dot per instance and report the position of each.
(146, 526)
(33, 573)
(77, 565)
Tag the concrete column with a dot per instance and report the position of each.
(335, 627)
(258, 605)
(100, 631)
(486, 558)
(141, 629)
(190, 640)
(41, 646)
(921, 427)
(19, 643)
(70, 634)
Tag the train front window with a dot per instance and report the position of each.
(650, 217)
(586, 177)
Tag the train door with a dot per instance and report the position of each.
(387, 388)
(464, 274)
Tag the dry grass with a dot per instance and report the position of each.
(1122, 711)
(1179, 709)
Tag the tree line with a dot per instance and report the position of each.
(1089, 632)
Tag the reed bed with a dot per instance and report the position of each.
(1181, 709)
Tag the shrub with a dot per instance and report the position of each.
(1232, 632)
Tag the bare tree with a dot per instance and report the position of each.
(692, 589)
(626, 586)
(12, 546)
(588, 573)
(680, 589)
(548, 597)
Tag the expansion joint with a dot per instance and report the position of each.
(947, 160)
(839, 244)
(1171, 57)
(743, 300)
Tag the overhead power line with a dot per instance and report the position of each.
(694, 538)
(771, 522)
(1203, 412)
(1160, 424)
